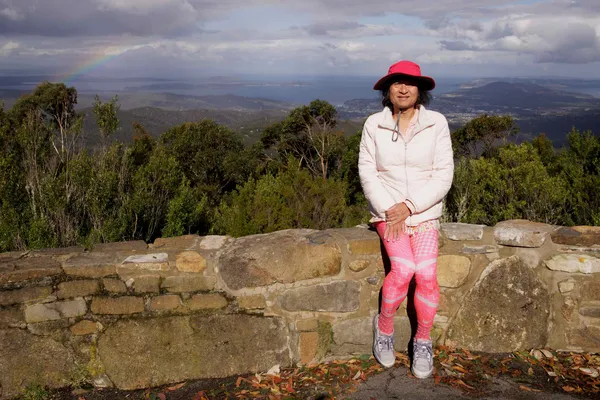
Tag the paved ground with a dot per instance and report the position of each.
(398, 383)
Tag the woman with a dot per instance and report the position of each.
(406, 167)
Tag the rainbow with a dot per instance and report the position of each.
(86, 66)
(94, 61)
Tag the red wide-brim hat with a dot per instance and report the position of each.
(405, 70)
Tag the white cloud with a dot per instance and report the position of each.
(8, 48)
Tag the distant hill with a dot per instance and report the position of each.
(516, 97)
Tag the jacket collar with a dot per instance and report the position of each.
(424, 120)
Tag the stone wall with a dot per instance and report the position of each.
(134, 315)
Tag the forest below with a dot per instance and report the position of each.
(202, 178)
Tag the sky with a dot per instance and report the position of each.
(203, 38)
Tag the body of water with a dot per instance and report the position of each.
(335, 90)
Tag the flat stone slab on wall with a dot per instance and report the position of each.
(521, 233)
(142, 353)
(279, 257)
(506, 310)
(29, 359)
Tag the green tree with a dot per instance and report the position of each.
(293, 198)
(106, 116)
(210, 156)
(309, 135)
(480, 135)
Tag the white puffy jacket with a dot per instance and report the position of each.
(417, 171)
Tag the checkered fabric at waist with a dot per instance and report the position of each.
(423, 227)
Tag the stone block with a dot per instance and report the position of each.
(508, 309)
(26, 269)
(342, 296)
(355, 336)
(86, 327)
(117, 305)
(484, 249)
(11, 256)
(58, 252)
(78, 288)
(132, 246)
(453, 271)
(180, 242)
(165, 303)
(308, 343)
(521, 233)
(56, 329)
(307, 325)
(252, 302)
(586, 338)
(213, 242)
(280, 257)
(56, 310)
(360, 240)
(91, 265)
(577, 236)
(359, 265)
(145, 262)
(149, 352)
(206, 301)
(567, 285)
(460, 231)
(146, 284)
(32, 360)
(25, 295)
(590, 290)
(581, 263)
(113, 285)
(190, 261)
(590, 309)
(188, 283)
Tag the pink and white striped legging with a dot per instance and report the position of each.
(414, 254)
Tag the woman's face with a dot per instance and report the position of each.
(403, 94)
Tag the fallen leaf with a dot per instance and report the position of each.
(161, 396)
(460, 369)
(356, 376)
(537, 354)
(568, 388)
(547, 353)
(175, 387)
(460, 382)
(593, 372)
(528, 389)
(274, 370)
(290, 386)
(530, 371)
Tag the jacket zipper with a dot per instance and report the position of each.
(406, 173)
(405, 162)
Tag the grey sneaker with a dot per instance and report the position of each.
(422, 365)
(383, 346)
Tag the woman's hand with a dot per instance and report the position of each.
(398, 213)
(393, 231)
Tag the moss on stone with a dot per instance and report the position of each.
(325, 331)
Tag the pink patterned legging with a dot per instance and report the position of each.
(411, 254)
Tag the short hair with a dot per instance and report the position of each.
(424, 98)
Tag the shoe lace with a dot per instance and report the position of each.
(423, 350)
(385, 343)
